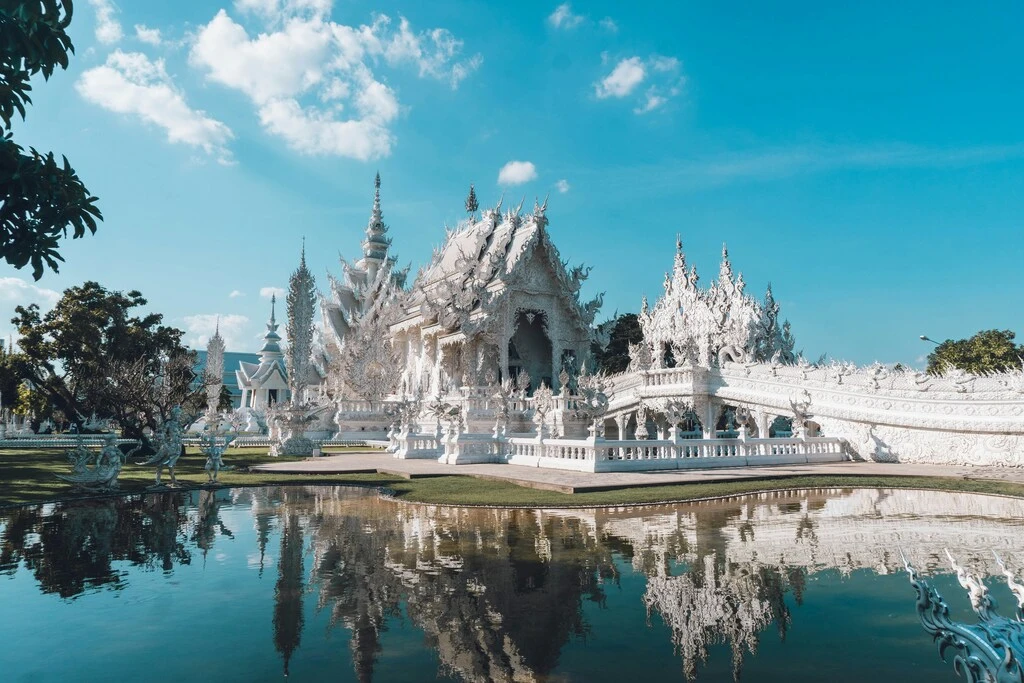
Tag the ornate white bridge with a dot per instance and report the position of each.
(692, 416)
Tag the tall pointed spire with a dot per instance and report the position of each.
(375, 246)
(725, 271)
(679, 265)
(271, 340)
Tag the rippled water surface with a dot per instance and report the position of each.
(331, 583)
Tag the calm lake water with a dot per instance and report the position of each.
(334, 583)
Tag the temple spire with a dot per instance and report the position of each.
(375, 246)
(471, 202)
(271, 340)
(725, 271)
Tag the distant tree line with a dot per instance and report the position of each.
(986, 352)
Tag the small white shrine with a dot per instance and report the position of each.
(265, 384)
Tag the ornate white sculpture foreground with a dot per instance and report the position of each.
(169, 447)
(105, 466)
(991, 650)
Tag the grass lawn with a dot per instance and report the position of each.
(27, 476)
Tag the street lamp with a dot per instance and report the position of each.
(925, 337)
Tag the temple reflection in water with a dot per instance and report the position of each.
(498, 594)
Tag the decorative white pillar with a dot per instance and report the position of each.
(620, 424)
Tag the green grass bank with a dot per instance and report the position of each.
(27, 476)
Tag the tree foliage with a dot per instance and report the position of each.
(614, 357)
(987, 351)
(90, 355)
(12, 374)
(224, 400)
(41, 198)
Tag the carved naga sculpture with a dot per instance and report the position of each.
(991, 650)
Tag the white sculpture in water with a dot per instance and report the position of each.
(169, 447)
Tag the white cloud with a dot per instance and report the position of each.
(652, 100)
(234, 329)
(276, 9)
(562, 186)
(517, 173)
(314, 132)
(18, 292)
(129, 83)
(563, 17)
(277, 65)
(148, 35)
(305, 70)
(432, 52)
(626, 75)
(608, 24)
(663, 64)
(661, 74)
(235, 293)
(267, 292)
(108, 29)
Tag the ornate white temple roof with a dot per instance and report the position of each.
(479, 262)
(271, 357)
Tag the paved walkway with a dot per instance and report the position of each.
(580, 482)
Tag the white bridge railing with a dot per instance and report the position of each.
(598, 455)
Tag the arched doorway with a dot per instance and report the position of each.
(529, 349)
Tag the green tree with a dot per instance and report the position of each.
(41, 198)
(32, 403)
(987, 351)
(614, 357)
(12, 373)
(90, 355)
(224, 400)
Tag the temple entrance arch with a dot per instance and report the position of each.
(529, 349)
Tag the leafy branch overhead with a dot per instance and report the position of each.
(42, 198)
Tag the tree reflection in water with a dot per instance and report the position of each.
(498, 594)
(71, 547)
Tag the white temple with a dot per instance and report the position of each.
(485, 358)
(265, 383)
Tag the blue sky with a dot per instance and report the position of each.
(866, 161)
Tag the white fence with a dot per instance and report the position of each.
(90, 441)
(624, 456)
(599, 455)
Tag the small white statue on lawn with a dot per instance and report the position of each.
(213, 446)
